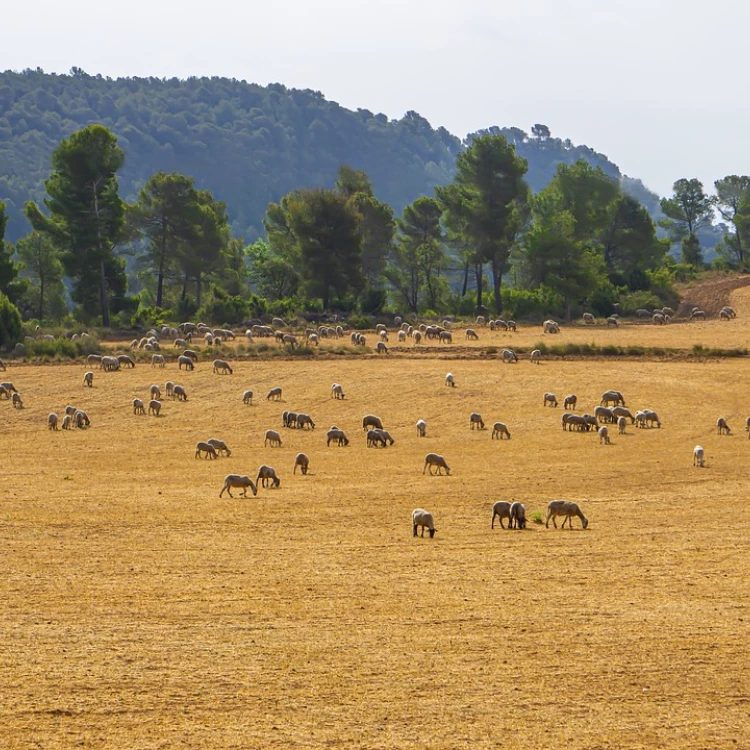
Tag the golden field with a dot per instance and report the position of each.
(139, 610)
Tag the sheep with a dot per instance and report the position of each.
(155, 392)
(383, 437)
(71, 409)
(518, 516)
(190, 354)
(383, 334)
(590, 422)
(206, 448)
(138, 407)
(508, 356)
(88, 379)
(337, 391)
(238, 481)
(491, 325)
(722, 426)
(450, 380)
(336, 435)
(416, 337)
(445, 337)
(221, 367)
(499, 323)
(434, 460)
(603, 414)
(621, 424)
(9, 387)
(381, 348)
(169, 388)
(570, 401)
(81, 419)
(621, 411)
(401, 337)
(16, 401)
(536, 356)
(370, 420)
(422, 428)
(612, 322)
(498, 430)
(274, 394)
(267, 474)
(668, 311)
(550, 326)
(52, 421)
(614, 397)
(658, 319)
(273, 438)
(154, 407)
(305, 420)
(569, 421)
(67, 423)
(604, 435)
(649, 415)
(124, 359)
(247, 397)
(511, 325)
(109, 364)
(289, 419)
(501, 509)
(4, 392)
(549, 398)
(471, 335)
(699, 456)
(186, 362)
(424, 519)
(723, 315)
(481, 321)
(290, 340)
(696, 314)
(180, 343)
(588, 319)
(313, 339)
(303, 462)
(642, 313)
(476, 421)
(730, 311)
(568, 510)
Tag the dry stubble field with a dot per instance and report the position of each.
(141, 611)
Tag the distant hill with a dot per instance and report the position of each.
(249, 144)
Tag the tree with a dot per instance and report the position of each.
(484, 204)
(418, 257)
(9, 269)
(732, 195)
(540, 132)
(86, 215)
(42, 265)
(688, 211)
(326, 230)
(274, 276)
(10, 323)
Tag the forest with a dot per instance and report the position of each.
(139, 200)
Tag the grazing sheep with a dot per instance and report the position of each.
(724, 315)
(303, 462)
(206, 448)
(550, 326)
(536, 356)
(730, 311)
(621, 424)
(337, 391)
(4, 392)
(67, 423)
(125, 360)
(289, 419)
(612, 322)
(500, 323)
(381, 348)
(569, 421)
(81, 419)
(69, 409)
(313, 339)
(501, 510)
(698, 314)
(424, 519)
(433, 460)
(699, 456)
(450, 380)
(650, 416)
(476, 421)
(445, 337)
(371, 421)
(155, 392)
(94, 359)
(508, 356)
(190, 354)
(219, 446)
(109, 364)
(659, 319)
(158, 360)
(222, 367)
(668, 311)
(154, 407)
(274, 394)
(416, 337)
(88, 379)
(722, 426)
(238, 481)
(247, 397)
(422, 428)
(604, 435)
(498, 430)
(336, 435)
(481, 321)
(382, 437)
(614, 397)
(186, 362)
(169, 388)
(518, 516)
(273, 438)
(383, 334)
(305, 420)
(52, 421)
(16, 401)
(511, 324)
(267, 474)
(471, 335)
(570, 401)
(621, 411)
(603, 414)
(588, 319)
(138, 406)
(549, 398)
(290, 340)
(642, 313)
(590, 422)
(180, 343)
(401, 337)
(567, 510)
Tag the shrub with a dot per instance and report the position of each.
(532, 304)
(359, 322)
(11, 328)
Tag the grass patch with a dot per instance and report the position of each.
(536, 517)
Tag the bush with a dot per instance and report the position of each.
(373, 300)
(359, 322)
(11, 327)
(532, 304)
(221, 308)
(633, 301)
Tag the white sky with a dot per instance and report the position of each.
(656, 85)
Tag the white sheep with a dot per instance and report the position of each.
(722, 427)
(371, 421)
(272, 438)
(206, 448)
(219, 446)
(169, 388)
(247, 397)
(699, 456)
(67, 423)
(536, 356)
(476, 421)
(498, 430)
(186, 362)
(180, 393)
(125, 360)
(588, 319)
(500, 510)
(138, 406)
(222, 367)
(154, 407)
(16, 401)
(381, 348)
(336, 435)
(614, 397)
(604, 435)
(303, 462)
(304, 420)
(621, 425)
(88, 379)
(274, 394)
(550, 326)
(433, 460)
(158, 360)
(549, 398)
(155, 392)
(401, 337)
(450, 380)
(422, 428)
(337, 391)
(81, 419)
(52, 421)
(267, 474)
(508, 356)
(238, 481)
(424, 519)
(518, 515)
(570, 401)
(416, 337)
(566, 509)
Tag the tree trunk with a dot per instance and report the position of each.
(497, 280)
(160, 282)
(198, 289)
(480, 280)
(41, 296)
(466, 279)
(103, 294)
(184, 287)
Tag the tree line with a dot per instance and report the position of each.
(484, 242)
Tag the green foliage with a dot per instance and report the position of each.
(8, 267)
(10, 323)
(41, 264)
(687, 212)
(533, 304)
(633, 301)
(359, 322)
(220, 308)
(63, 348)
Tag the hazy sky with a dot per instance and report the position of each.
(656, 85)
